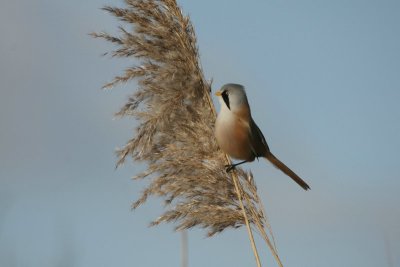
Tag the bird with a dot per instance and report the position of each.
(238, 135)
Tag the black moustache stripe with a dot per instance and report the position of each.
(225, 97)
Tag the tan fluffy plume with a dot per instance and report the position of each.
(176, 120)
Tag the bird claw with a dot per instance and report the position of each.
(229, 167)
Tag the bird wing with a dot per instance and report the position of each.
(259, 143)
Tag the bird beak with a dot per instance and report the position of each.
(218, 93)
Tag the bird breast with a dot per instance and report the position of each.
(232, 134)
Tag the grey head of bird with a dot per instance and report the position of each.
(233, 96)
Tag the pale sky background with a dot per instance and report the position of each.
(323, 78)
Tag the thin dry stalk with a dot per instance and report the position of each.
(248, 227)
(184, 249)
(260, 227)
(176, 119)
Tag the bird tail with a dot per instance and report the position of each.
(285, 169)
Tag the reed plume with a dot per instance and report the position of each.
(176, 116)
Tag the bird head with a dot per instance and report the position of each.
(233, 96)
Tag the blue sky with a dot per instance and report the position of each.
(322, 78)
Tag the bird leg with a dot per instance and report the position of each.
(232, 166)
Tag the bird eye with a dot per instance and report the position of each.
(225, 93)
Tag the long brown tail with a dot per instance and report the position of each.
(285, 169)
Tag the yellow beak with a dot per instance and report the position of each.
(218, 93)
